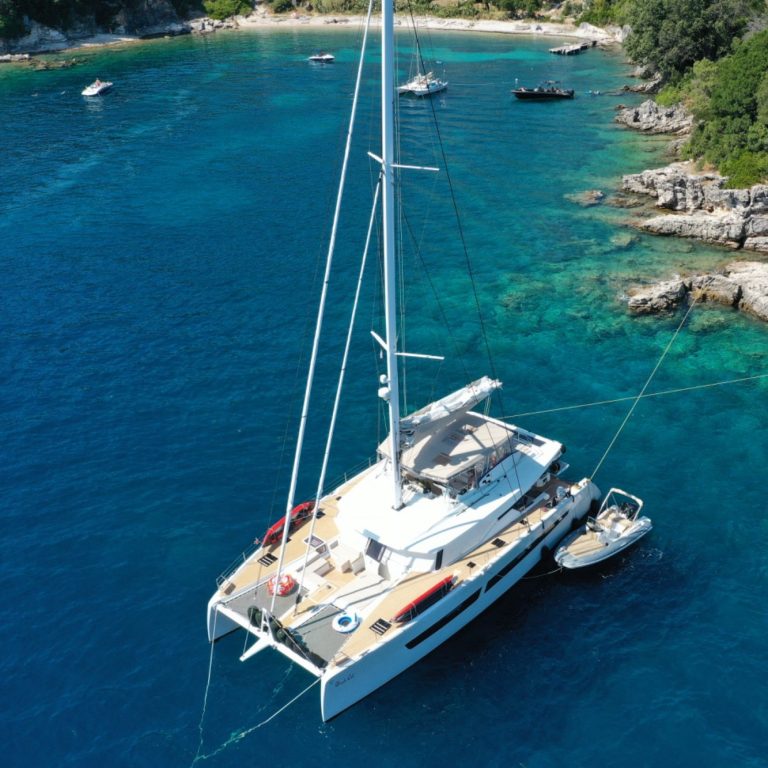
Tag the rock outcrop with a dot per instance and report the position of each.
(148, 18)
(742, 284)
(142, 19)
(649, 117)
(661, 297)
(720, 229)
(737, 218)
(587, 198)
(39, 39)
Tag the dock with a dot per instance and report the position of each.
(570, 50)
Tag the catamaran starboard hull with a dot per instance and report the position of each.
(344, 686)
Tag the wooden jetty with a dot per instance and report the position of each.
(570, 50)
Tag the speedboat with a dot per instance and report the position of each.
(616, 526)
(547, 90)
(323, 58)
(423, 85)
(96, 88)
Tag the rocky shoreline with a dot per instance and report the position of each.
(700, 207)
(741, 284)
(649, 117)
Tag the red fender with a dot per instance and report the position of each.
(425, 600)
(299, 514)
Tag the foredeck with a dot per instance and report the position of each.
(264, 562)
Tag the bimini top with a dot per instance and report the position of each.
(445, 439)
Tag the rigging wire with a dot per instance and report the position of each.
(321, 307)
(642, 391)
(337, 399)
(300, 358)
(467, 259)
(454, 203)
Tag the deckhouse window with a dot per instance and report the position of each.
(439, 560)
(375, 550)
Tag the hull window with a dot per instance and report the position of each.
(438, 625)
(494, 580)
(375, 550)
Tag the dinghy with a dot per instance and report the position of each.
(616, 526)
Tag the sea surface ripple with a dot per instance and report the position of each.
(160, 251)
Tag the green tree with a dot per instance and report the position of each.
(11, 20)
(223, 9)
(601, 12)
(731, 108)
(671, 35)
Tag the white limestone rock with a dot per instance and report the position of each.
(661, 297)
(39, 39)
(752, 277)
(677, 186)
(722, 229)
(649, 117)
(717, 288)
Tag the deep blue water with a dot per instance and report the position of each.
(159, 257)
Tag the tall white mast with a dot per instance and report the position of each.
(388, 215)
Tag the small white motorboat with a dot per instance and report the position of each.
(423, 85)
(616, 526)
(323, 58)
(97, 87)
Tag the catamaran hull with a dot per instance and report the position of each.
(344, 686)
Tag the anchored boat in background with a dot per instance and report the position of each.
(455, 509)
(97, 87)
(546, 91)
(423, 85)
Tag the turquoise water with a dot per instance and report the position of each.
(160, 253)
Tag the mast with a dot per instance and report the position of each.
(391, 390)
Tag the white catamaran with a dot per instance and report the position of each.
(457, 507)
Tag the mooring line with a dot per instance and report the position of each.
(207, 688)
(642, 391)
(240, 736)
(634, 397)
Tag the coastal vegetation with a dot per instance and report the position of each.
(708, 60)
(729, 99)
(223, 9)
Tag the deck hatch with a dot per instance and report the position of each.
(498, 543)
(380, 626)
(494, 580)
(268, 559)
